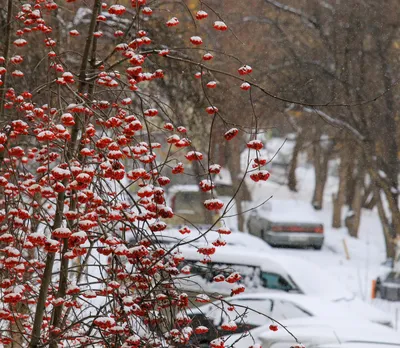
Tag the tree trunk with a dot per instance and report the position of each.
(353, 221)
(387, 230)
(243, 193)
(292, 181)
(321, 159)
(340, 198)
(370, 199)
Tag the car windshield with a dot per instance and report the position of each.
(277, 282)
(394, 277)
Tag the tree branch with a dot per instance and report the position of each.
(337, 123)
(311, 21)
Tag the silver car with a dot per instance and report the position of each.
(287, 223)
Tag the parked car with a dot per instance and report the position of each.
(360, 344)
(254, 310)
(260, 270)
(187, 205)
(388, 287)
(287, 223)
(202, 235)
(332, 331)
(316, 332)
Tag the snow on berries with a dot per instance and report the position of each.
(231, 133)
(104, 322)
(211, 84)
(196, 40)
(219, 242)
(74, 32)
(208, 250)
(211, 110)
(245, 86)
(230, 326)
(224, 230)
(117, 10)
(61, 232)
(233, 278)
(206, 185)
(219, 25)
(184, 230)
(238, 289)
(20, 42)
(173, 22)
(217, 343)
(201, 15)
(255, 144)
(245, 70)
(199, 330)
(219, 278)
(262, 175)
(208, 56)
(194, 156)
(213, 204)
(214, 168)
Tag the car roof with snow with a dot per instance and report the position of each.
(201, 236)
(278, 210)
(319, 307)
(316, 306)
(310, 278)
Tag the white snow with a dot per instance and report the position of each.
(366, 254)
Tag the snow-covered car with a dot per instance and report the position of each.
(388, 288)
(186, 202)
(360, 344)
(288, 223)
(254, 310)
(202, 235)
(315, 331)
(260, 270)
(325, 332)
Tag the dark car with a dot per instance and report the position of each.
(388, 288)
(287, 223)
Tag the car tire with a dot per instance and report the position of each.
(318, 247)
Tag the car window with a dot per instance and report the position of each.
(254, 311)
(287, 310)
(198, 268)
(276, 281)
(250, 274)
(247, 314)
(393, 276)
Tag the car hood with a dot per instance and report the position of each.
(312, 279)
(323, 331)
(366, 310)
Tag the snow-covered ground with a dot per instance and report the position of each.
(366, 253)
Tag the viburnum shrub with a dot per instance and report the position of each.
(86, 149)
